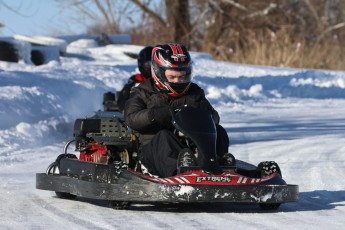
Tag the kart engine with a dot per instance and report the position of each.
(103, 139)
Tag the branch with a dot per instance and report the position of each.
(83, 10)
(235, 4)
(105, 15)
(263, 12)
(216, 5)
(330, 29)
(110, 10)
(150, 12)
(312, 10)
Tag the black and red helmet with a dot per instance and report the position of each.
(144, 61)
(174, 57)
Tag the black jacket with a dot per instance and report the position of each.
(125, 92)
(145, 98)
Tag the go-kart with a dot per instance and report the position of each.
(107, 168)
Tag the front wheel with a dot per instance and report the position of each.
(120, 205)
(267, 206)
(265, 169)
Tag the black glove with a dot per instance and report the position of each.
(162, 115)
(194, 101)
(178, 103)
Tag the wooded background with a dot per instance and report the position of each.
(289, 33)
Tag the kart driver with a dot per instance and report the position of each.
(148, 112)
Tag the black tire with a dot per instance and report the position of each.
(37, 57)
(67, 155)
(119, 205)
(54, 168)
(61, 156)
(8, 52)
(265, 169)
(65, 195)
(267, 206)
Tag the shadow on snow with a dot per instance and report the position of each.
(308, 201)
(286, 130)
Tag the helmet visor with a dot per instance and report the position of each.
(176, 76)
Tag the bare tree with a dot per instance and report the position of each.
(275, 32)
(177, 25)
(17, 9)
(105, 15)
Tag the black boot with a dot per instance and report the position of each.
(186, 158)
(228, 160)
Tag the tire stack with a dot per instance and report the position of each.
(8, 52)
(32, 50)
(44, 49)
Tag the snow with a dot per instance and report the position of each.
(42, 40)
(293, 116)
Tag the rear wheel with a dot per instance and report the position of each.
(65, 195)
(265, 169)
(54, 168)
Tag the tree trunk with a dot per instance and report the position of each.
(178, 26)
(214, 30)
